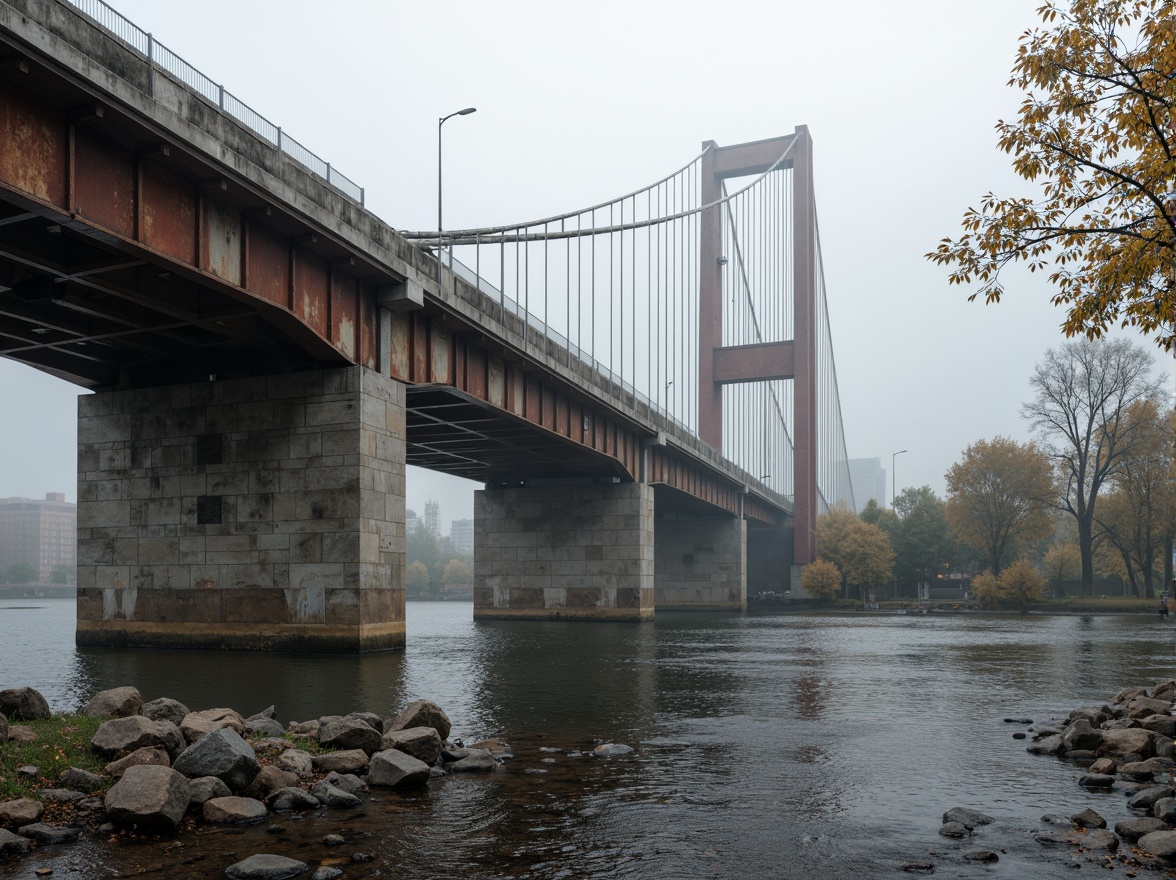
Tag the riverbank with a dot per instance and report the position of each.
(1064, 605)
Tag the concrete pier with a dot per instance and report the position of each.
(700, 563)
(575, 551)
(256, 513)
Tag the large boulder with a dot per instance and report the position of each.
(269, 780)
(199, 724)
(166, 709)
(1159, 843)
(233, 811)
(13, 844)
(349, 733)
(147, 755)
(421, 713)
(349, 761)
(1162, 724)
(297, 761)
(223, 754)
(1129, 741)
(423, 743)
(124, 735)
(205, 789)
(1142, 707)
(1133, 829)
(119, 702)
(22, 811)
(395, 769)
(23, 704)
(1081, 734)
(148, 798)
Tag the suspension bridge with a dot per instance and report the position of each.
(646, 387)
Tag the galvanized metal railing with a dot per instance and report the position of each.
(163, 58)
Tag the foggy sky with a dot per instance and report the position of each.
(577, 103)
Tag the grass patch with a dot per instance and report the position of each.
(63, 741)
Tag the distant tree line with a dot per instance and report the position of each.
(433, 564)
(1092, 496)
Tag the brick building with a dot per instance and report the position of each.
(43, 534)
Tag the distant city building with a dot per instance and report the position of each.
(868, 478)
(433, 517)
(461, 533)
(412, 522)
(43, 534)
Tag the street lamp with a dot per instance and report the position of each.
(466, 112)
(893, 494)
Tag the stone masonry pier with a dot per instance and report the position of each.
(263, 513)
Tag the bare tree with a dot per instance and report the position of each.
(1083, 390)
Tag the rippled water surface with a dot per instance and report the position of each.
(806, 746)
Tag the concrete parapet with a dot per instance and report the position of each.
(700, 563)
(577, 551)
(261, 513)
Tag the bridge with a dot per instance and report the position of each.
(645, 387)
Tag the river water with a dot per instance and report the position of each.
(767, 745)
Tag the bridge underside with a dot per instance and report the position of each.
(264, 372)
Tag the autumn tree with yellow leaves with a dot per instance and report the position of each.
(1096, 135)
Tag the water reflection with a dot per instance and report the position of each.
(767, 746)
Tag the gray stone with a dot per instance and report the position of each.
(478, 760)
(392, 768)
(145, 755)
(49, 835)
(259, 727)
(18, 812)
(1128, 741)
(1097, 838)
(292, 799)
(341, 762)
(23, 704)
(269, 780)
(1049, 745)
(1133, 829)
(297, 761)
(82, 780)
(348, 782)
(166, 709)
(327, 872)
(197, 725)
(1162, 724)
(13, 844)
(980, 855)
(148, 798)
(336, 798)
(205, 788)
(1103, 765)
(1096, 780)
(268, 712)
(349, 733)
(1145, 707)
(60, 795)
(421, 713)
(1053, 838)
(119, 702)
(422, 743)
(123, 735)
(18, 733)
(1137, 771)
(965, 816)
(369, 718)
(303, 728)
(1096, 715)
(1128, 693)
(1165, 809)
(1159, 843)
(233, 811)
(954, 829)
(1088, 818)
(266, 867)
(334, 840)
(1081, 734)
(1146, 799)
(272, 745)
(223, 754)
(609, 750)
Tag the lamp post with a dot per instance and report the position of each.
(893, 494)
(466, 112)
